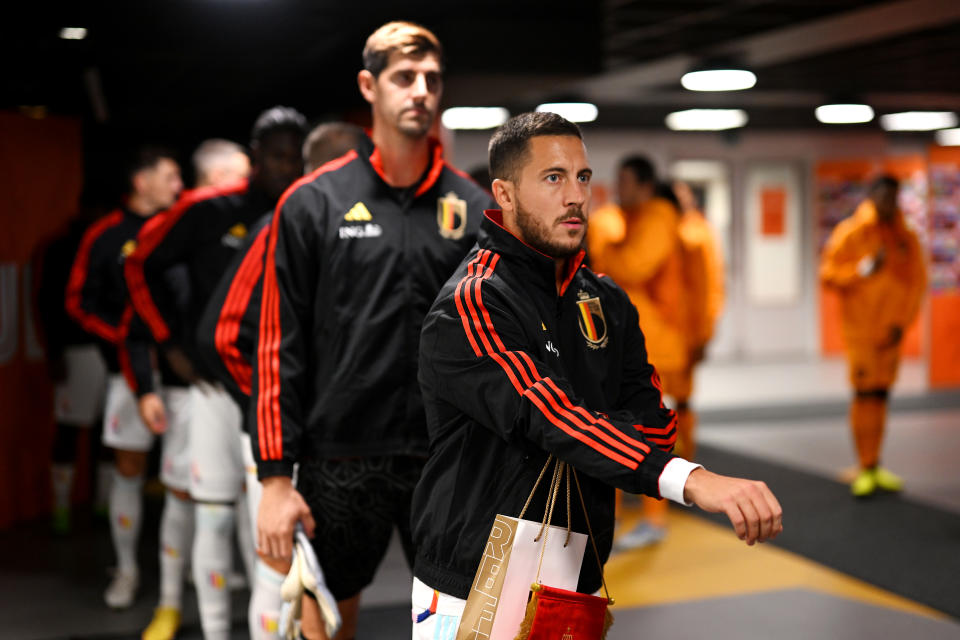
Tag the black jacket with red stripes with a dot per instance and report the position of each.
(227, 331)
(352, 265)
(511, 372)
(203, 231)
(96, 294)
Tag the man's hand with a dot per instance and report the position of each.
(753, 510)
(152, 413)
(180, 364)
(281, 507)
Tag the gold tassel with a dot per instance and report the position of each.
(527, 625)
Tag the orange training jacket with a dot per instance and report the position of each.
(872, 305)
(642, 252)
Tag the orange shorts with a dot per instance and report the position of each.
(873, 368)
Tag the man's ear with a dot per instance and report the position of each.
(504, 192)
(139, 181)
(367, 84)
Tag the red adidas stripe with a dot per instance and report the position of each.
(551, 409)
(269, 427)
(78, 278)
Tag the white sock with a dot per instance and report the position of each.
(245, 539)
(265, 600)
(212, 557)
(104, 484)
(126, 508)
(176, 538)
(62, 480)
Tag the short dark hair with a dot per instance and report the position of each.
(409, 38)
(885, 181)
(511, 142)
(329, 141)
(277, 119)
(641, 168)
(145, 156)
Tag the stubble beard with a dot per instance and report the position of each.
(537, 235)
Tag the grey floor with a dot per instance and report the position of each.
(922, 445)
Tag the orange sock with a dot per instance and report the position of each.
(686, 446)
(655, 511)
(867, 417)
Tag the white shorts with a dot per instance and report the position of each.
(175, 457)
(216, 447)
(123, 429)
(78, 400)
(443, 624)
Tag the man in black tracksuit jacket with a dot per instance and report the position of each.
(356, 254)
(525, 353)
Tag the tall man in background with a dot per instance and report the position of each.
(876, 264)
(97, 298)
(357, 252)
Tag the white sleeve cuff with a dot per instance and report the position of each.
(674, 478)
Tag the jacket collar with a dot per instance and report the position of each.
(370, 154)
(540, 266)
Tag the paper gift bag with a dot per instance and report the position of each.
(498, 598)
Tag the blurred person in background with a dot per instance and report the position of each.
(96, 297)
(203, 233)
(703, 282)
(876, 265)
(218, 162)
(226, 341)
(76, 367)
(637, 243)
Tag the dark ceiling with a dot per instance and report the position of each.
(183, 70)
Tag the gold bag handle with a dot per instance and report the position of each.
(560, 471)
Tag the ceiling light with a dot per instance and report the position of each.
(73, 33)
(844, 113)
(948, 137)
(474, 117)
(572, 111)
(718, 80)
(918, 120)
(706, 119)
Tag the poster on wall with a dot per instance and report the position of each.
(774, 275)
(944, 239)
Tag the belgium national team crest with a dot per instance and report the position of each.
(593, 325)
(451, 216)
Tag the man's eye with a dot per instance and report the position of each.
(584, 178)
(553, 178)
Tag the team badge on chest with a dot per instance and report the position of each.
(451, 216)
(593, 325)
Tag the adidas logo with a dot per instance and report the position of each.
(358, 213)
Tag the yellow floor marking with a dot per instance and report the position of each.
(700, 559)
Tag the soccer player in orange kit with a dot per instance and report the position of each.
(876, 264)
(638, 244)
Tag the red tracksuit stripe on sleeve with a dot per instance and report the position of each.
(545, 401)
(268, 352)
(238, 297)
(78, 278)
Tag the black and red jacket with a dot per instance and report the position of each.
(352, 265)
(227, 331)
(512, 371)
(203, 231)
(96, 294)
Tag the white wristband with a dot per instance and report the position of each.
(673, 479)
